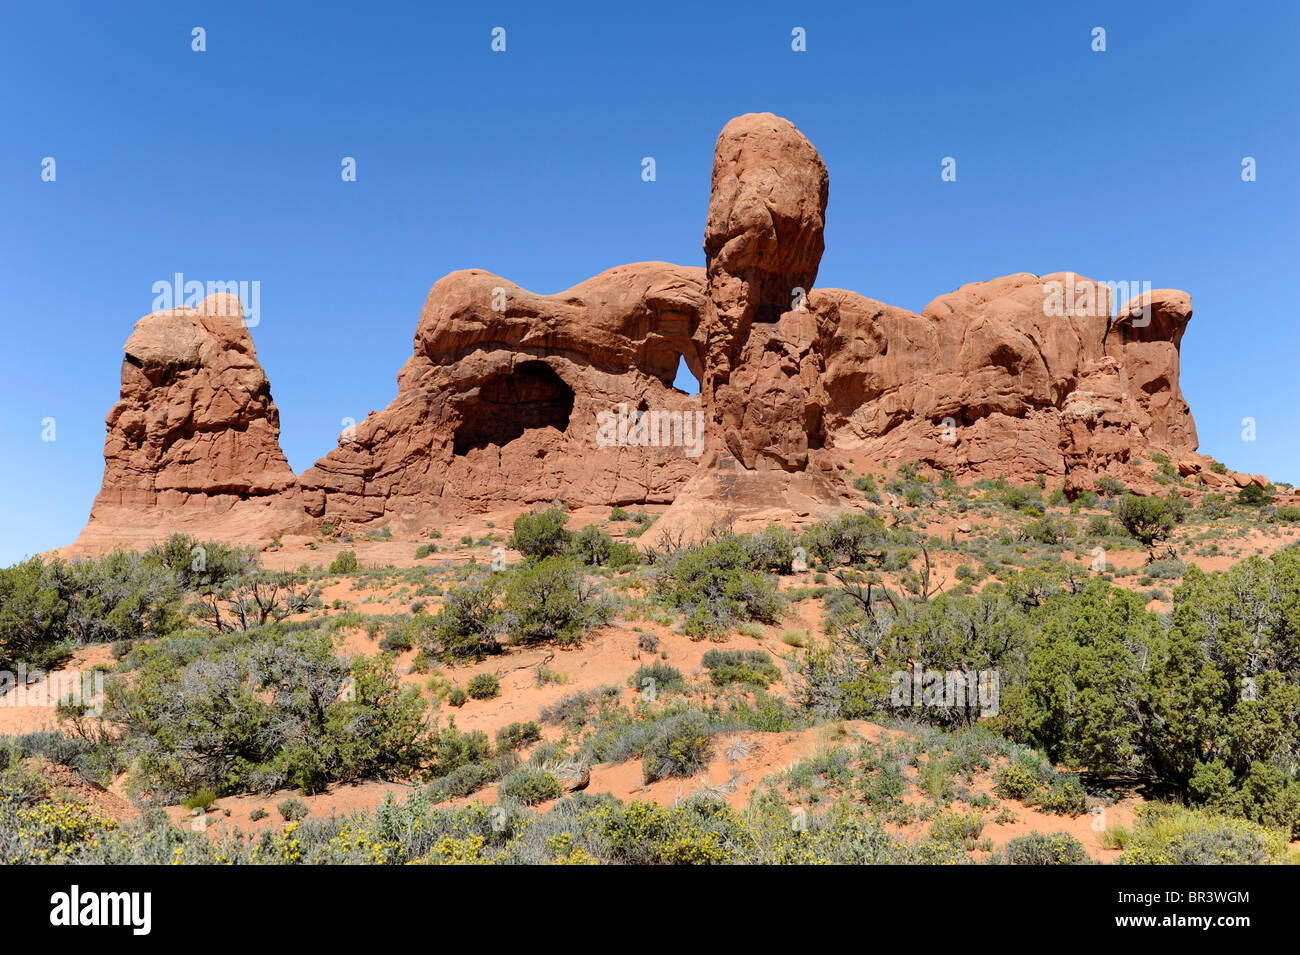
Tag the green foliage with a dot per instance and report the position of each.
(718, 585)
(1252, 495)
(858, 539)
(1036, 848)
(541, 533)
(292, 810)
(264, 713)
(517, 735)
(529, 785)
(483, 686)
(471, 620)
(48, 609)
(549, 600)
(655, 678)
(680, 748)
(750, 667)
(1171, 835)
(1147, 519)
(200, 799)
(344, 563)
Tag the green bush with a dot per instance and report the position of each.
(541, 533)
(548, 600)
(658, 678)
(516, 735)
(529, 785)
(458, 697)
(292, 810)
(200, 799)
(344, 563)
(717, 586)
(1058, 848)
(470, 621)
(1147, 519)
(1171, 835)
(1252, 495)
(483, 686)
(680, 748)
(750, 667)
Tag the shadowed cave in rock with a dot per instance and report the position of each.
(511, 402)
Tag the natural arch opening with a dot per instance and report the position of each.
(512, 402)
(685, 380)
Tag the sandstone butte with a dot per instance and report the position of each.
(500, 403)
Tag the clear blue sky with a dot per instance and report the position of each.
(225, 165)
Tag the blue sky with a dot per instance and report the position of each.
(225, 165)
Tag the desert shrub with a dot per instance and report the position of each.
(344, 563)
(453, 749)
(717, 586)
(578, 708)
(857, 539)
(470, 620)
(424, 550)
(1108, 486)
(594, 547)
(396, 640)
(549, 600)
(1252, 495)
(48, 608)
(483, 686)
(619, 514)
(656, 678)
(529, 785)
(1147, 519)
(516, 735)
(263, 713)
(1023, 779)
(1171, 835)
(960, 828)
(1047, 530)
(771, 549)
(1064, 797)
(1098, 526)
(1288, 514)
(470, 778)
(205, 566)
(1036, 848)
(541, 533)
(647, 642)
(200, 799)
(750, 667)
(292, 810)
(680, 748)
(1022, 499)
(258, 814)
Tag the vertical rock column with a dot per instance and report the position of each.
(763, 242)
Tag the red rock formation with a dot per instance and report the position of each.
(502, 401)
(513, 398)
(194, 439)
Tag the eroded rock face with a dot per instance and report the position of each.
(505, 396)
(195, 436)
(763, 243)
(516, 398)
